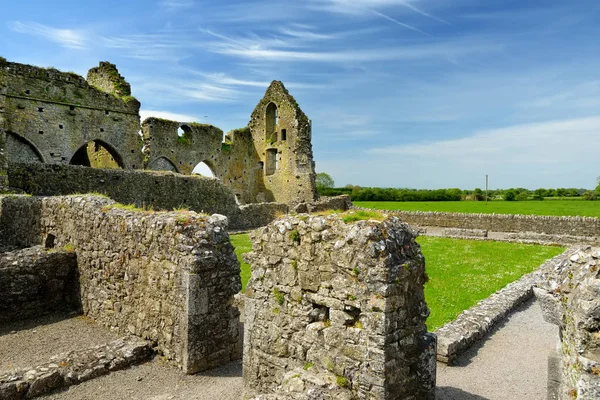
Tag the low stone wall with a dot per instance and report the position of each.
(337, 311)
(325, 203)
(147, 189)
(73, 368)
(168, 277)
(569, 294)
(573, 226)
(254, 215)
(17, 214)
(514, 237)
(36, 281)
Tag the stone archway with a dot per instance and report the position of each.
(21, 150)
(97, 154)
(162, 164)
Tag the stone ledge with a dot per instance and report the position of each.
(74, 367)
(473, 324)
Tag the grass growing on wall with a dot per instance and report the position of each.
(552, 207)
(461, 272)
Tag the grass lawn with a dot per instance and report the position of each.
(549, 207)
(461, 272)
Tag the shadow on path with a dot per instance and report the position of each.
(452, 393)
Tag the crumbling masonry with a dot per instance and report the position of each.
(53, 117)
(337, 311)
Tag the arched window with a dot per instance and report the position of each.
(272, 120)
(97, 154)
(202, 168)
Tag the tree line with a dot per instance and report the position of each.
(325, 186)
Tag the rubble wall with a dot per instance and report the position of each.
(337, 310)
(168, 277)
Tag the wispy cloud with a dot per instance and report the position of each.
(402, 24)
(177, 4)
(69, 38)
(167, 115)
(537, 143)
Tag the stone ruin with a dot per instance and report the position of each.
(337, 311)
(570, 298)
(333, 310)
(53, 117)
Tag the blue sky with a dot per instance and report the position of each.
(402, 93)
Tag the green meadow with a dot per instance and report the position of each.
(461, 272)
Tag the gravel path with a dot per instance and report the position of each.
(155, 381)
(510, 364)
(32, 342)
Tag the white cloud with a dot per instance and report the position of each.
(177, 4)
(167, 115)
(69, 38)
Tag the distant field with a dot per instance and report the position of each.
(461, 272)
(547, 207)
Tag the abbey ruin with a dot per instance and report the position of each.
(58, 118)
(102, 218)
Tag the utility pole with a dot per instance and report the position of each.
(486, 189)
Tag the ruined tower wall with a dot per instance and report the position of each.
(49, 115)
(239, 168)
(337, 311)
(168, 277)
(284, 146)
(166, 150)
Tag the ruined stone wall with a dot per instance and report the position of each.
(157, 190)
(574, 226)
(337, 311)
(49, 115)
(167, 150)
(238, 166)
(166, 277)
(282, 137)
(3, 154)
(570, 298)
(36, 281)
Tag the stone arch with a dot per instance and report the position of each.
(205, 168)
(97, 154)
(21, 150)
(162, 163)
(271, 122)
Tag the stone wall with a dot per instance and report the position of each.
(337, 311)
(49, 116)
(573, 226)
(569, 296)
(168, 277)
(157, 190)
(37, 281)
(169, 151)
(3, 155)
(325, 203)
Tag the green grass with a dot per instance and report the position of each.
(242, 245)
(551, 207)
(461, 272)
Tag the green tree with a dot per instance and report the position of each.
(509, 195)
(324, 181)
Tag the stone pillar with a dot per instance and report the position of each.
(336, 310)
